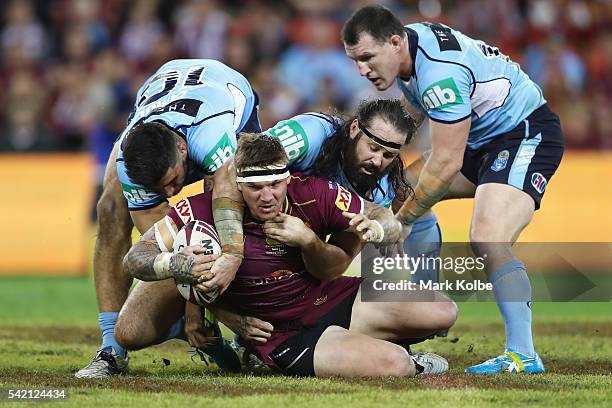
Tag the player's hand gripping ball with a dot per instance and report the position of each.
(203, 234)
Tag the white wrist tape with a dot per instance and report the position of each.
(161, 266)
(378, 231)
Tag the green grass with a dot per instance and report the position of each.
(48, 330)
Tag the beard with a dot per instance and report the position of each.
(362, 183)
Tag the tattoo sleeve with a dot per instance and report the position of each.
(141, 259)
(181, 268)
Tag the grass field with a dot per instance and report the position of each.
(48, 330)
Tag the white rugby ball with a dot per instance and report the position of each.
(197, 233)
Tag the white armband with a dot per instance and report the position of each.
(161, 266)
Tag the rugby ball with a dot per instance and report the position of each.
(197, 233)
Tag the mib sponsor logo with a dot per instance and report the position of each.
(137, 194)
(441, 94)
(219, 154)
(293, 138)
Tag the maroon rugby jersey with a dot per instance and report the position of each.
(272, 283)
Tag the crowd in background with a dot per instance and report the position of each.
(69, 69)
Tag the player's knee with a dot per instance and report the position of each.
(488, 229)
(447, 315)
(394, 361)
(125, 336)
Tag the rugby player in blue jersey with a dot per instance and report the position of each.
(361, 153)
(493, 138)
(182, 128)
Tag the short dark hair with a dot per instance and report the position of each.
(392, 112)
(378, 21)
(149, 150)
(258, 150)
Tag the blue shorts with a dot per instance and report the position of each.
(526, 157)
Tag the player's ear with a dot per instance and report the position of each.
(239, 185)
(396, 41)
(182, 148)
(288, 179)
(354, 129)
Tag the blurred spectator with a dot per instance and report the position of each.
(85, 14)
(200, 29)
(280, 101)
(316, 67)
(554, 65)
(71, 114)
(22, 31)
(142, 31)
(23, 129)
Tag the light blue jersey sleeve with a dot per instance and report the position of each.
(205, 102)
(303, 136)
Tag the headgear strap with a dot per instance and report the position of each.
(257, 174)
(378, 140)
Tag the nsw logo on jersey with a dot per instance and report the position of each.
(343, 198)
(293, 138)
(441, 94)
(219, 154)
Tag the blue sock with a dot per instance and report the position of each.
(425, 242)
(176, 331)
(512, 291)
(107, 322)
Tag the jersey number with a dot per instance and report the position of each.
(168, 80)
(491, 52)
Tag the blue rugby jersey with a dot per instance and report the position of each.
(205, 102)
(456, 77)
(303, 136)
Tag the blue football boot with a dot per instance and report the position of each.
(510, 362)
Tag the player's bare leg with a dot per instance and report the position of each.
(501, 212)
(426, 313)
(365, 349)
(112, 284)
(149, 314)
(340, 352)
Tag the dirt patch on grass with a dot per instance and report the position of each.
(217, 387)
(57, 334)
(67, 335)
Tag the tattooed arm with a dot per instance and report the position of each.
(147, 262)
